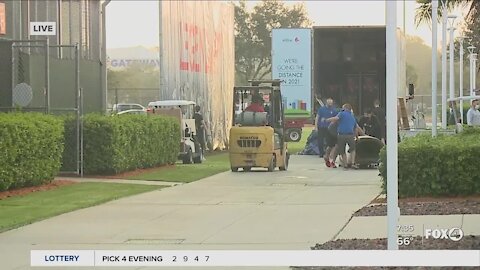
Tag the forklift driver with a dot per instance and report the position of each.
(257, 104)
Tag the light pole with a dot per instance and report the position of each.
(434, 67)
(392, 132)
(444, 66)
(471, 50)
(474, 73)
(452, 56)
(460, 39)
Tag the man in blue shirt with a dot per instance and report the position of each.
(321, 125)
(347, 134)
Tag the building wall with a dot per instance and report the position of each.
(78, 21)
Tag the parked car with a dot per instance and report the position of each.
(120, 107)
(133, 111)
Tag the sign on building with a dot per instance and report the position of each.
(43, 28)
(291, 62)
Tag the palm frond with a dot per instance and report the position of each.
(423, 13)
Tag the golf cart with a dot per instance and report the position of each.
(183, 110)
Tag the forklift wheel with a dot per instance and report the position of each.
(271, 166)
(285, 167)
(247, 169)
(234, 169)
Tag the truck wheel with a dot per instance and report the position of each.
(188, 158)
(294, 135)
(271, 165)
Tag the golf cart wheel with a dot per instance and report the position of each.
(247, 169)
(287, 159)
(188, 158)
(294, 135)
(363, 166)
(271, 166)
(234, 169)
(197, 159)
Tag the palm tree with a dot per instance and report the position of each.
(423, 13)
(472, 20)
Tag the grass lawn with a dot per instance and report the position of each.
(22, 210)
(214, 164)
(295, 147)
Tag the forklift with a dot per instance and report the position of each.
(257, 138)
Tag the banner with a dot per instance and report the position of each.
(197, 60)
(291, 62)
(3, 25)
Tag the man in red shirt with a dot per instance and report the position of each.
(257, 104)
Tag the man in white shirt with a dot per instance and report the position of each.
(473, 114)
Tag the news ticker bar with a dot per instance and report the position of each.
(146, 258)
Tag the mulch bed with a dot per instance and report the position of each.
(426, 206)
(136, 172)
(26, 190)
(123, 175)
(470, 242)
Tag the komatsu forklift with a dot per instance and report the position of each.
(257, 138)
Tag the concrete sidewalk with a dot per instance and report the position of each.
(296, 209)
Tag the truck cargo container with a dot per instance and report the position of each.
(347, 63)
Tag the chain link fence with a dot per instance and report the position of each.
(421, 105)
(140, 96)
(34, 74)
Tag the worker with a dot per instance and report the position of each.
(473, 114)
(370, 125)
(379, 112)
(347, 134)
(256, 105)
(200, 127)
(321, 125)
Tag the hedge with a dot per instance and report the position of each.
(443, 166)
(114, 144)
(31, 147)
(69, 157)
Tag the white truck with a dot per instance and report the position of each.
(347, 63)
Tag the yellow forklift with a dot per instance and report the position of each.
(257, 136)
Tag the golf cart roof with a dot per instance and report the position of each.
(251, 88)
(272, 82)
(171, 103)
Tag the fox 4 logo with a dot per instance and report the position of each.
(454, 234)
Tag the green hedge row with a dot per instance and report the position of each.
(31, 147)
(114, 144)
(69, 157)
(443, 166)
